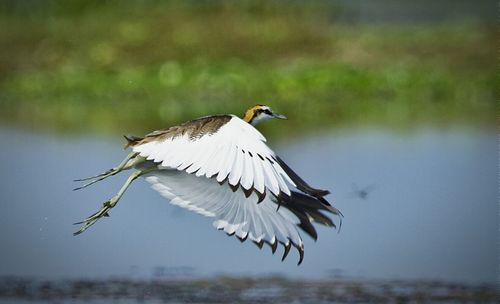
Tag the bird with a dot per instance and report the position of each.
(220, 166)
(362, 193)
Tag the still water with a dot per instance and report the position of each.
(431, 211)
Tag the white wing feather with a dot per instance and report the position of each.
(233, 211)
(221, 154)
(237, 168)
(247, 174)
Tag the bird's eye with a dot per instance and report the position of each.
(268, 112)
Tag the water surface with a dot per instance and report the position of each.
(432, 213)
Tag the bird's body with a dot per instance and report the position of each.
(220, 166)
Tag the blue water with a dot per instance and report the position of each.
(431, 213)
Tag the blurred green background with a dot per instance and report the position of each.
(135, 66)
(396, 96)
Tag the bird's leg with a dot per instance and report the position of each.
(122, 166)
(109, 204)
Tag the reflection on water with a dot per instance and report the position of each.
(431, 215)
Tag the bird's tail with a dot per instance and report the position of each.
(131, 140)
(309, 209)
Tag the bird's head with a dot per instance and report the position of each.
(259, 113)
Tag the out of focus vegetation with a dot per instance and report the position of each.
(134, 66)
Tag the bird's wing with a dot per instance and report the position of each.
(233, 150)
(234, 212)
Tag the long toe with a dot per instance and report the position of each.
(92, 177)
(89, 221)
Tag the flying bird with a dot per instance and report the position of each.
(362, 193)
(221, 167)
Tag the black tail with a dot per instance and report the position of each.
(309, 209)
(301, 184)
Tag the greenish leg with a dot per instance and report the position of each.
(109, 204)
(110, 172)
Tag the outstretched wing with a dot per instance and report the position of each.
(271, 221)
(198, 159)
(224, 147)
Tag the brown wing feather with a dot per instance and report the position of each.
(195, 129)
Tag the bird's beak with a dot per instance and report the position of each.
(276, 115)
